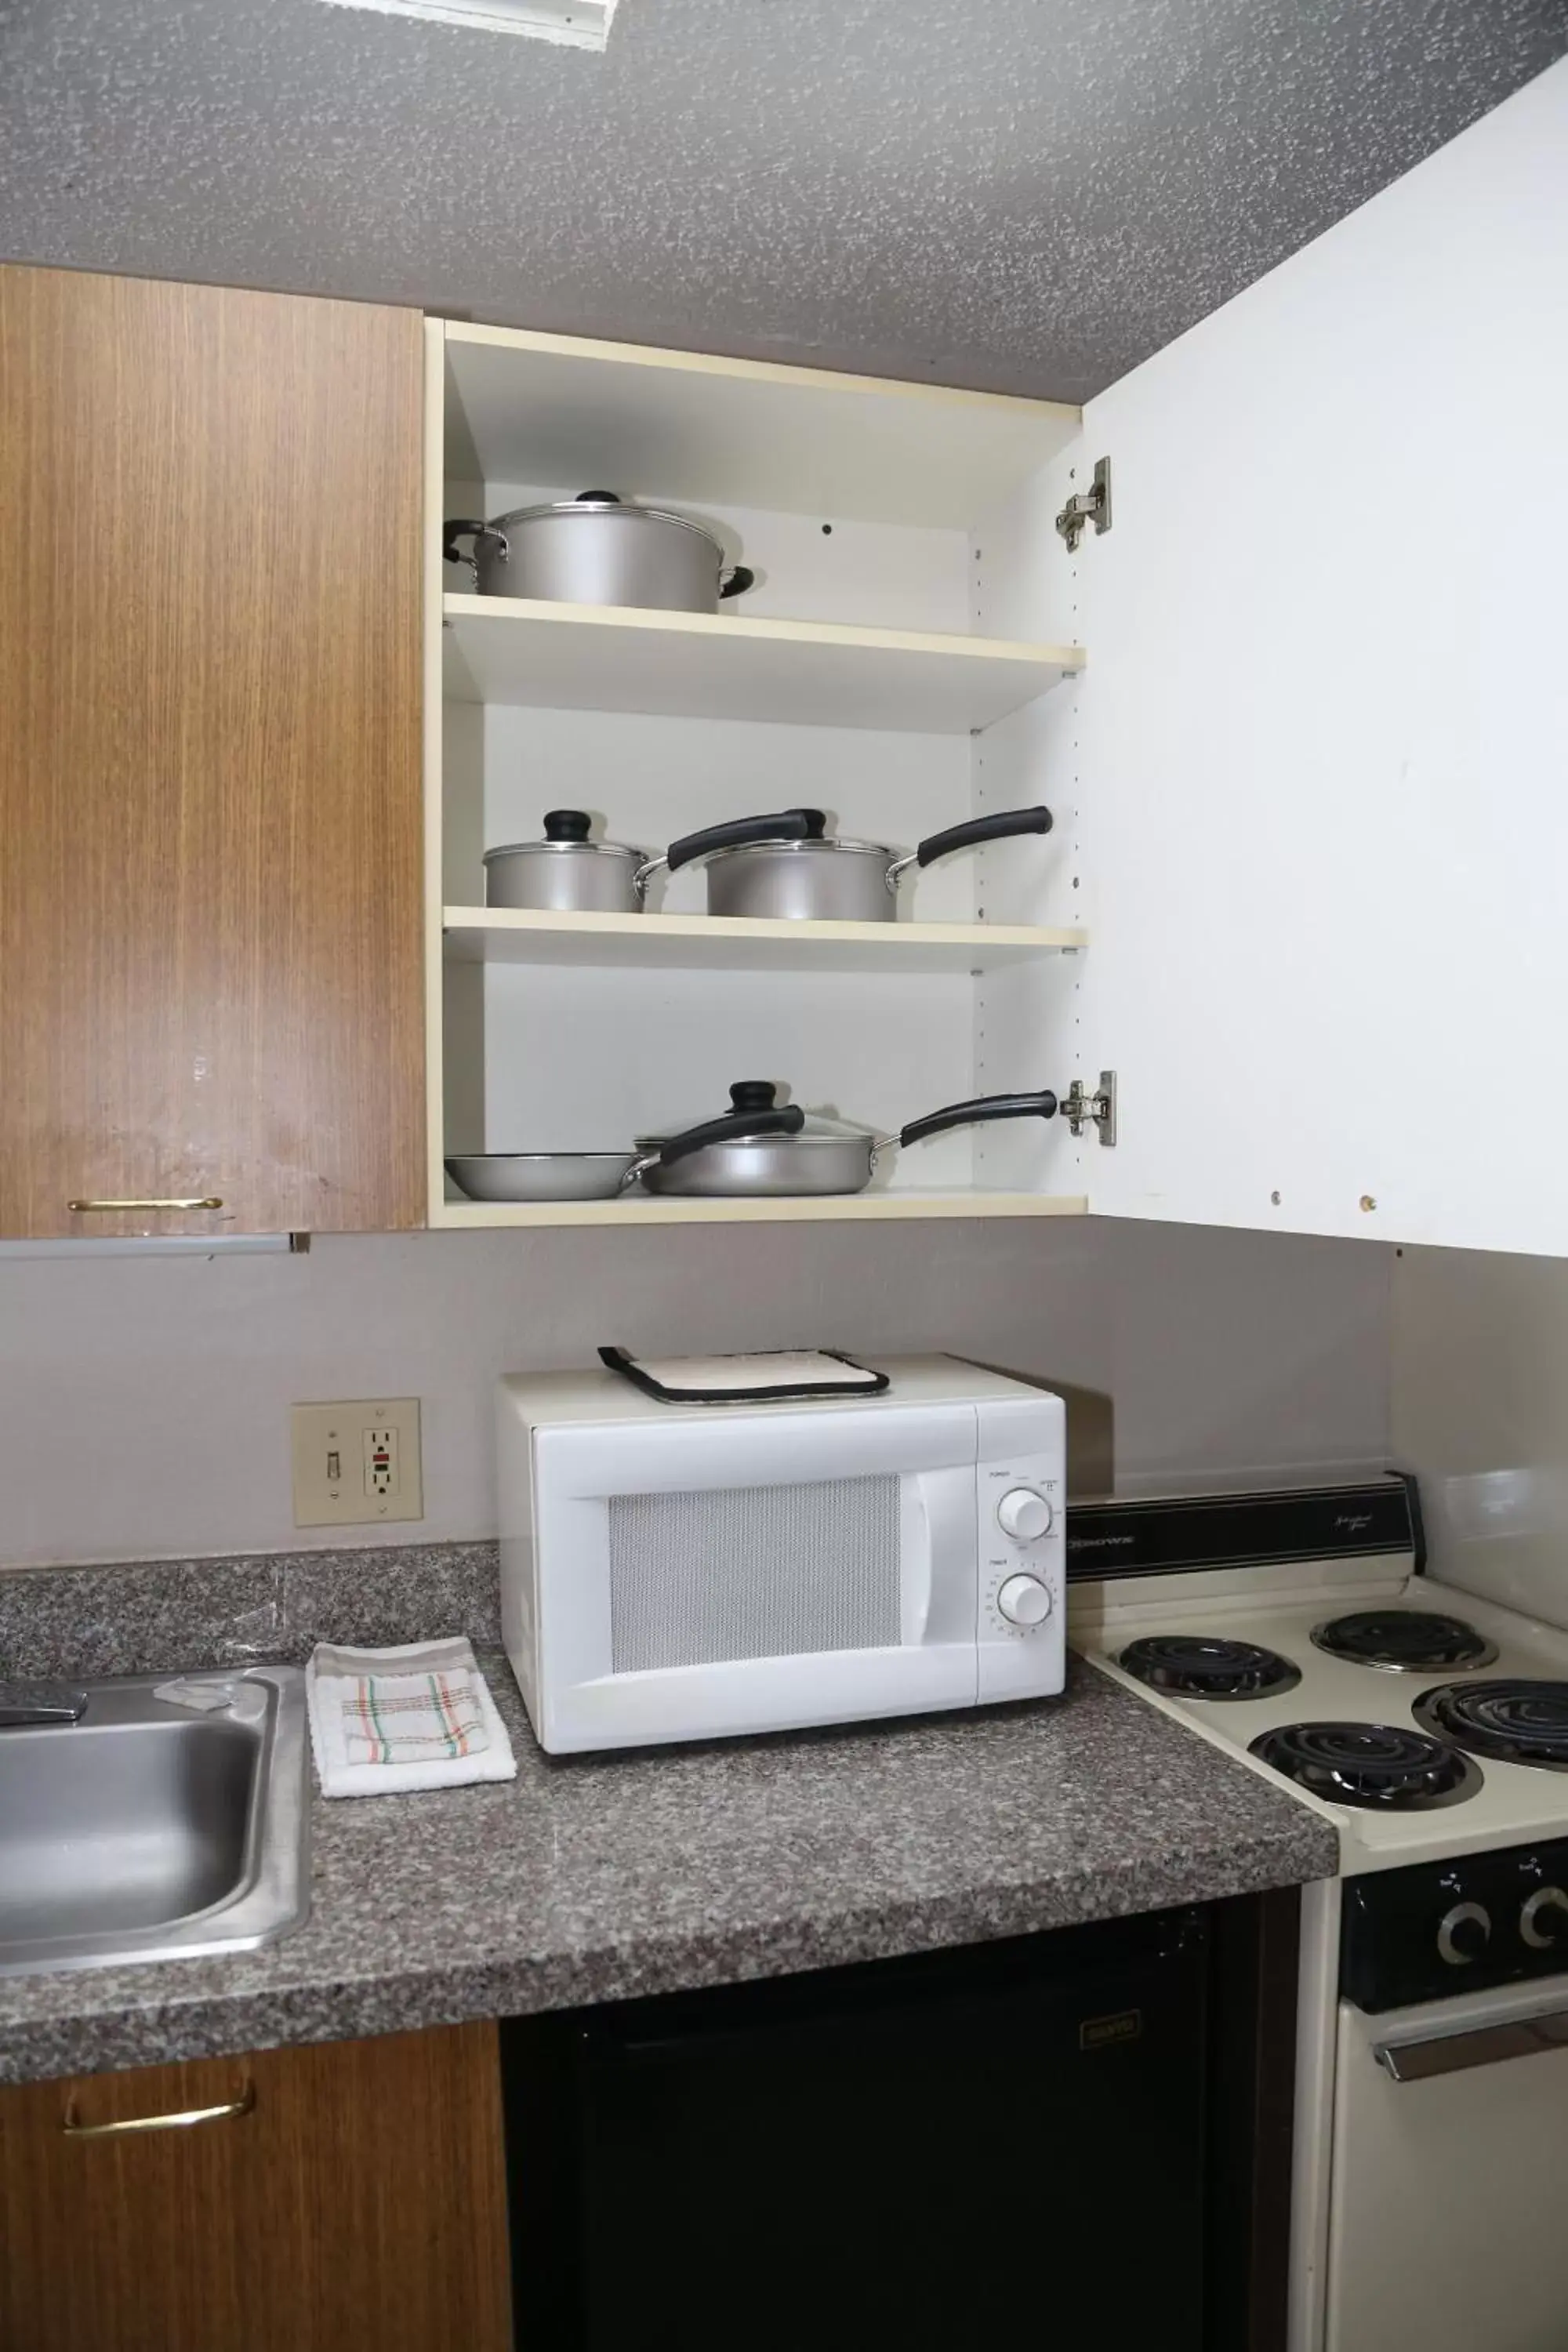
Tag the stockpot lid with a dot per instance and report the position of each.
(566, 834)
(597, 502)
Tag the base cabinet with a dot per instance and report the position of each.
(350, 2193)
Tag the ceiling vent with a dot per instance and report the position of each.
(573, 23)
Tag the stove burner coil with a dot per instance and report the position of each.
(1208, 1665)
(1377, 1767)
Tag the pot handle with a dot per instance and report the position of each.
(451, 532)
(756, 1111)
(978, 1112)
(739, 579)
(975, 830)
(786, 824)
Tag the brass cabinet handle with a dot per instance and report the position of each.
(79, 1208)
(73, 2128)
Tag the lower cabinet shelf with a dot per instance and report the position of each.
(820, 1209)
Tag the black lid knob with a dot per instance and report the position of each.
(597, 498)
(754, 1093)
(567, 824)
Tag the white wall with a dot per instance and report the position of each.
(144, 1402)
(1479, 1410)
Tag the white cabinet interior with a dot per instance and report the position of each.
(860, 675)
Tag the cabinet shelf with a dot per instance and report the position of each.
(852, 1207)
(722, 665)
(730, 943)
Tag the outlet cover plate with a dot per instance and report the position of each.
(328, 1438)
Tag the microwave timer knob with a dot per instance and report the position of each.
(1025, 1515)
(1543, 1920)
(1023, 1601)
(1463, 1934)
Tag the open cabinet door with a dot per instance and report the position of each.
(1321, 750)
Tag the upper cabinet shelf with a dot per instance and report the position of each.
(730, 943)
(721, 666)
(545, 408)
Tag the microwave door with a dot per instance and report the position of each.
(696, 1583)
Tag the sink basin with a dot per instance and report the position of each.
(152, 1828)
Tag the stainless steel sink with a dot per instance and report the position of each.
(155, 1828)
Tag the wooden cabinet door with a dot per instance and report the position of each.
(210, 921)
(358, 2199)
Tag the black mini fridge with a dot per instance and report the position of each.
(1000, 2145)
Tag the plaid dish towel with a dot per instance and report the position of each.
(411, 1719)
(417, 1716)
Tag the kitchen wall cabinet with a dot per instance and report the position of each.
(210, 951)
(1301, 713)
(358, 2197)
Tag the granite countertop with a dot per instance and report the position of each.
(592, 1877)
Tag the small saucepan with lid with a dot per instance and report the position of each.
(760, 1149)
(568, 873)
(598, 549)
(813, 876)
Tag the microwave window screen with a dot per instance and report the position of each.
(753, 1572)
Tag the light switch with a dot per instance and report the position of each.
(356, 1464)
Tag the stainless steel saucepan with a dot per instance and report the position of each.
(811, 876)
(737, 1156)
(567, 873)
(598, 549)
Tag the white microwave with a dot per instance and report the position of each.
(692, 1572)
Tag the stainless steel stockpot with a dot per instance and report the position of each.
(566, 872)
(598, 549)
(743, 1155)
(814, 877)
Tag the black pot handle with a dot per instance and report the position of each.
(740, 578)
(597, 498)
(978, 1112)
(451, 532)
(757, 1110)
(786, 824)
(977, 829)
(567, 824)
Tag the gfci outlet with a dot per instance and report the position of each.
(357, 1463)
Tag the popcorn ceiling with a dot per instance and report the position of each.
(1025, 195)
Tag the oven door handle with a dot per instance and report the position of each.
(1485, 2045)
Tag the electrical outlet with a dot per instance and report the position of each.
(356, 1464)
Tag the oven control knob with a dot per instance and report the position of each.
(1463, 1934)
(1025, 1515)
(1544, 1918)
(1025, 1600)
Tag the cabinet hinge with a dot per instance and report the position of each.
(1081, 1106)
(1093, 505)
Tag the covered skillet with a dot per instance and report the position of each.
(736, 1156)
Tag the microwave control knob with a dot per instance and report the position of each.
(1544, 1918)
(1025, 1600)
(1463, 1934)
(1025, 1515)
